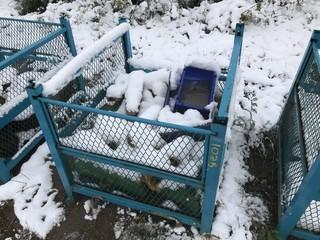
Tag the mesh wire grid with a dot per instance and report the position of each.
(16, 35)
(95, 76)
(294, 166)
(164, 148)
(159, 192)
(14, 78)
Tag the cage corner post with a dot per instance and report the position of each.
(213, 166)
(48, 131)
(68, 35)
(301, 201)
(5, 174)
(232, 71)
(127, 46)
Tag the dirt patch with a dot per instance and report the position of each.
(263, 166)
(112, 219)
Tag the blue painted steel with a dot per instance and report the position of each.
(300, 130)
(126, 117)
(5, 174)
(67, 131)
(213, 168)
(301, 200)
(135, 205)
(31, 56)
(131, 166)
(28, 50)
(30, 21)
(232, 71)
(305, 235)
(127, 47)
(13, 162)
(62, 168)
(68, 35)
(13, 112)
(198, 79)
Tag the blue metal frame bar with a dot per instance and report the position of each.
(126, 117)
(13, 162)
(31, 56)
(68, 35)
(305, 234)
(215, 158)
(301, 200)
(13, 112)
(232, 71)
(135, 205)
(126, 47)
(30, 21)
(26, 51)
(131, 166)
(300, 130)
(62, 168)
(11, 51)
(316, 53)
(67, 131)
(5, 174)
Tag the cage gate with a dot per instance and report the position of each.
(299, 151)
(124, 159)
(28, 49)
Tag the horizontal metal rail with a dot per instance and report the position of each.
(136, 205)
(126, 117)
(132, 166)
(31, 48)
(30, 21)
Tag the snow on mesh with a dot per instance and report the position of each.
(66, 74)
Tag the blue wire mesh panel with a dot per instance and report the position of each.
(300, 140)
(17, 132)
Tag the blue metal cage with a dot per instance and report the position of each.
(299, 151)
(28, 49)
(102, 153)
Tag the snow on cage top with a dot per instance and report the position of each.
(69, 71)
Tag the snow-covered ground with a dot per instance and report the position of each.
(272, 50)
(34, 195)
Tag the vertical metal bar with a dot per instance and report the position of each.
(5, 175)
(307, 192)
(126, 47)
(61, 166)
(68, 35)
(213, 168)
(233, 66)
(300, 131)
(205, 157)
(70, 42)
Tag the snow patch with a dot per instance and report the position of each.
(33, 195)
